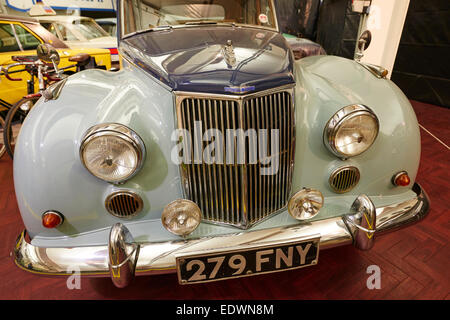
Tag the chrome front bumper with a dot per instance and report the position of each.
(122, 259)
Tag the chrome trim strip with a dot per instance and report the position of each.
(275, 17)
(123, 51)
(377, 71)
(183, 94)
(158, 258)
(258, 216)
(54, 91)
(292, 143)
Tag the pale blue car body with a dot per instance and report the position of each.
(49, 175)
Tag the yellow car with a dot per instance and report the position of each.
(19, 37)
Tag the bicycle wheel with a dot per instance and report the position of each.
(16, 115)
(2, 145)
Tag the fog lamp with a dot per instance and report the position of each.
(52, 219)
(181, 217)
(305, 204)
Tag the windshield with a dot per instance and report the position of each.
(140, 15)
(86, 29)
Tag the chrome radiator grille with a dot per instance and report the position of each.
(234, 191)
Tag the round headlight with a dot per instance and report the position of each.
(351, 131)
(112, 152)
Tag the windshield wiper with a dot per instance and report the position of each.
(200, 22)
(159, 28)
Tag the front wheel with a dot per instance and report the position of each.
(16, 115)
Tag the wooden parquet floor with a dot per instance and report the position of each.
(414, 261)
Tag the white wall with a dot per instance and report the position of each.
(386, 21)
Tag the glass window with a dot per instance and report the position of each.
(66, 34)
(28, 40)
(146, 14)
(50, 27)
(89, 29)
(110, 28)
(8, 41)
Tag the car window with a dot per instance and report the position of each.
(26, 38)
(109, 27)
(89, 29)
(50, 27)
(141, 15)
(8, 41)
(66, 34)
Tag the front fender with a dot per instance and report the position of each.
(326, 84)
(48, 173)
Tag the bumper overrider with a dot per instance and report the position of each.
(123, 258)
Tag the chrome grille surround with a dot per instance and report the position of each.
(236, 194)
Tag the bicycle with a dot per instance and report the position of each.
(44, 68)
(6, 106)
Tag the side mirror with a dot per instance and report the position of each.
(364, 40)
(363, 43)
(48, 54)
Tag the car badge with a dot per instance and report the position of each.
(240, 89)
(229, 55)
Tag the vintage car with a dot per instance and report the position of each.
(214, 153)
(20, 36)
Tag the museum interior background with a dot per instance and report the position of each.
(426, 35)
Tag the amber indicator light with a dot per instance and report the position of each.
(52, 220)
(402, 180)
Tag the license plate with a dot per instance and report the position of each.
(247, 262)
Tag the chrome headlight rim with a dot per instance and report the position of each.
(339, 118)
(119, 131)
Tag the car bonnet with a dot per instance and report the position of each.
(213, 59)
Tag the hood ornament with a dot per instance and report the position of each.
(229, 55)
